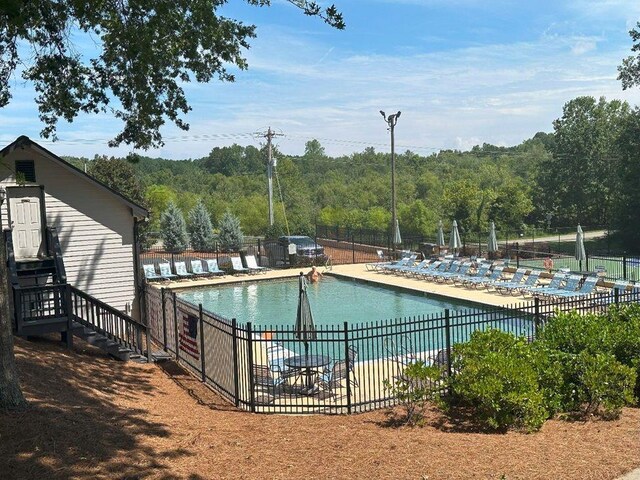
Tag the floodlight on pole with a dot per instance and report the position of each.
(391, 120)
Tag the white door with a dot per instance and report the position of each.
(26, 222)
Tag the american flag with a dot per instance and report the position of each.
(189, 336)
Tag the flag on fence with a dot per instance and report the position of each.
(189, 336)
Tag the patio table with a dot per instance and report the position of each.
(309, 365)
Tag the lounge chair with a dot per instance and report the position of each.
(403, 262)
(444, 267)
(507, 288)
(197, 270)
(430, 267)
(165, 271)
(515, 281)
(409, 270)
(451, 276)
(150, 273)
(478, 282)
(181, 270)
(372, 267)
(555, 283)
(212, 267)
(236, 265)
(587, 288)
(253, 266)
(481, 272)
(571, 285)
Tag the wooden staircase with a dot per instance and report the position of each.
(43, 302)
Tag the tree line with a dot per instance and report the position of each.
(586, 171)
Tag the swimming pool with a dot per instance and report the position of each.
(333, 301)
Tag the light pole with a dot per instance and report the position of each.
(391, 121)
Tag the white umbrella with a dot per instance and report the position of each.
(397, 239)
(305, 328)
(492, 243)
(580, 252)
(440, 236)
(454, 240)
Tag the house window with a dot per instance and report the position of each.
(26, 170)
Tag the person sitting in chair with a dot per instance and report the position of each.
(314, 275)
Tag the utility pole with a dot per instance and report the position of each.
(391, 121)
(271, 164)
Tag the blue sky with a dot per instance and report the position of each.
(462, 72)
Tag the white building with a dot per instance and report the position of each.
(96, 226)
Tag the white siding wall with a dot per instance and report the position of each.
(95, 230)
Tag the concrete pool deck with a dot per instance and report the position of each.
(358, 271)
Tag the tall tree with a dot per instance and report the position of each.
(230, 235)
(200, 228)
(173, 229)
(146, 51)
(629, 71)
(579, 180)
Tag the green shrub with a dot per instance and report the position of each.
(615, 333)
(417, 385)
(599, 385)
(496, 374)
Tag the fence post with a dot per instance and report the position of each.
(447, 336)
(236, 379)
(586, 254)
(353, 249)
(346, 358)
(175, 320)
(252, 402)
(259, 255)
(202, 359)
(164, 321)
(67, 301)
(517, 255)
(624, 266)
(616, 296)
(536, 316)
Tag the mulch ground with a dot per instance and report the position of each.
(93, 417)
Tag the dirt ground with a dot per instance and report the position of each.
(95, 418)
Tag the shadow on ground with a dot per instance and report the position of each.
(79, 423)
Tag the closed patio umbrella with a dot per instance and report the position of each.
(440, 236)
(305, 329)
(397, 239)
(580, 252)
(492, 243)
(454, 240)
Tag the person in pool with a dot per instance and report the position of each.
(314, 275)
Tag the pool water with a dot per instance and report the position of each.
(333, 301)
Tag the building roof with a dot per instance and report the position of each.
(23, 141)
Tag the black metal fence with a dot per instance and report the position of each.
(344, 368)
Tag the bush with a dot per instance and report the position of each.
(200, 229)
(615, 333)
(495, 375)
(173, 229)
(600, 385)
(417, 385)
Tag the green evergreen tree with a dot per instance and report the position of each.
(173, 229)
(200, 228)
(231, 237)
